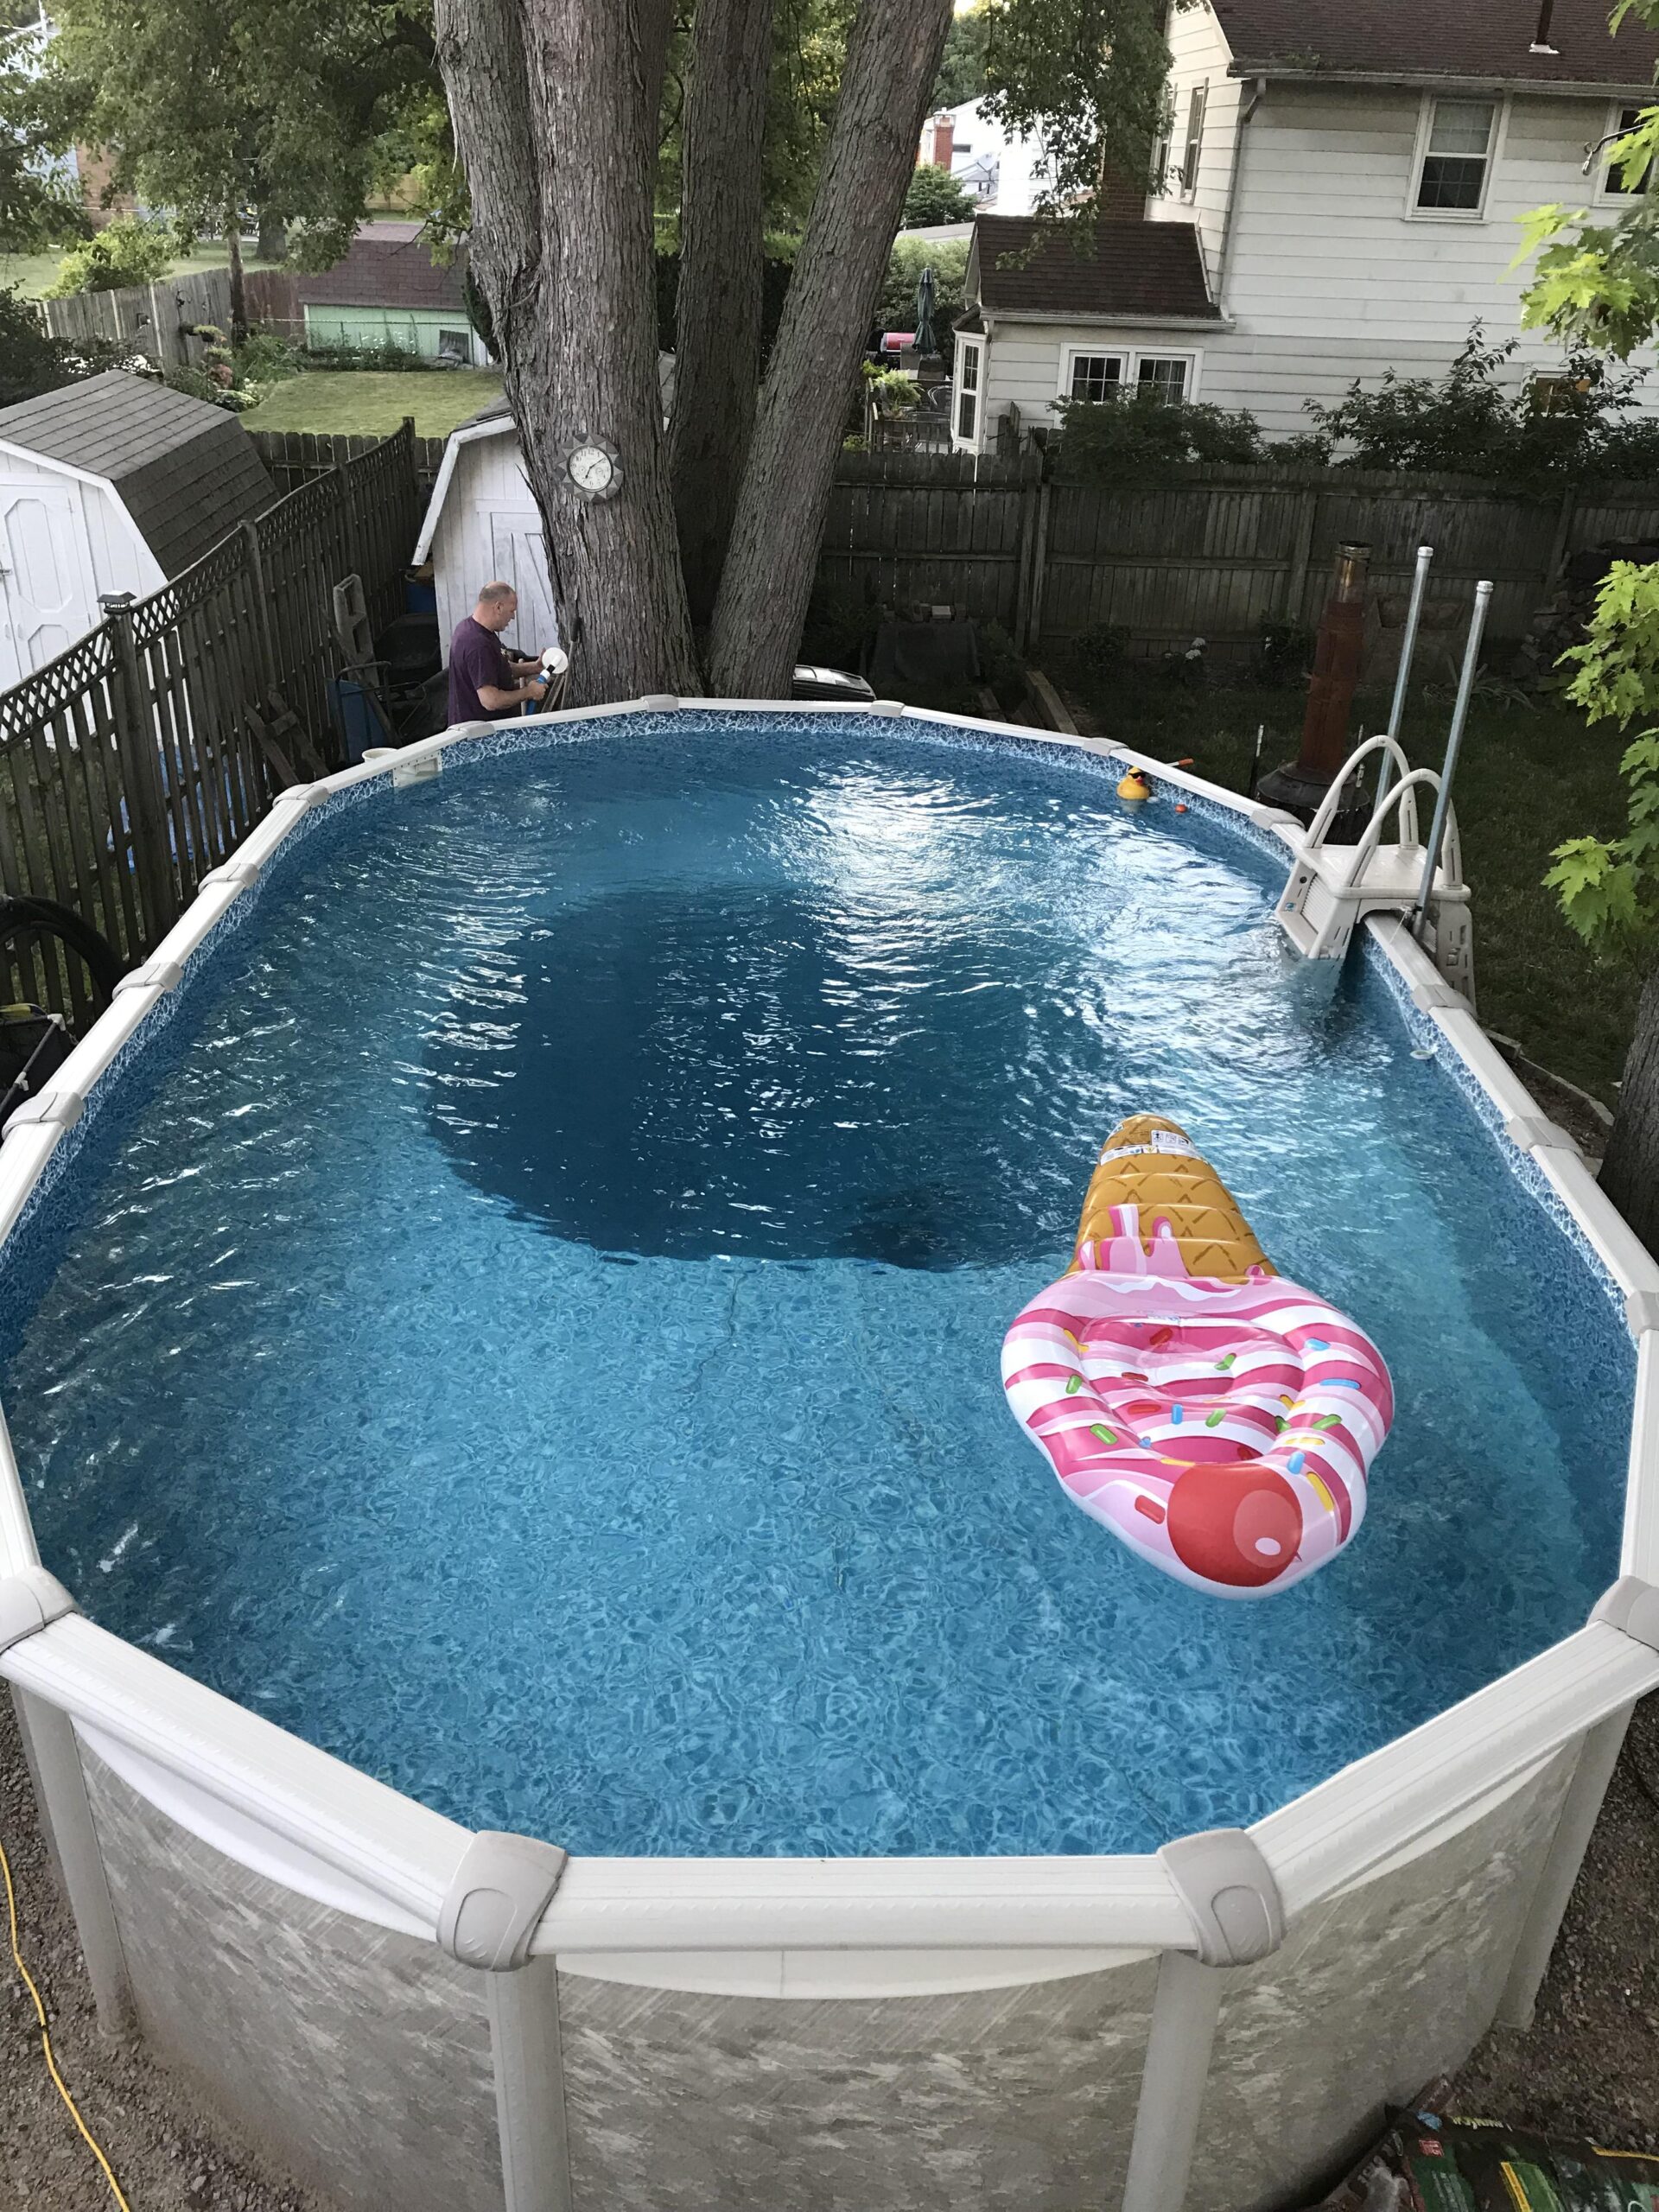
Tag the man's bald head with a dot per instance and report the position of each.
(497, 605)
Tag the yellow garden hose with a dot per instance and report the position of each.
(27, 1981)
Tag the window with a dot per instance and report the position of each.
(1095, 376)
(1164, 373)
(967, 369)
(1456, 155)
(1613, 183)
(1194, 147)
(455, 346)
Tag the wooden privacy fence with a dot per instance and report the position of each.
(294, 457)
(142, 757)
(1211, 553)
(156, 320)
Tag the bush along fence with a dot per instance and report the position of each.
(1213, 552)
(136, 761)
(156, 320)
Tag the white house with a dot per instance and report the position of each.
(117, 484)
(1346, 177)
(1005, 174)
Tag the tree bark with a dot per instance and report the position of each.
(892, 59)
(1629, 1174)
(717, 345)
(238, 289)
(554, 104)
(273, 237)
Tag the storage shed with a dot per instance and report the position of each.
(483, 522)
(117, 484)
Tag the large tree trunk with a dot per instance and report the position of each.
(1629, 1174)
(272, 243)
(555, 109)
(238, 289)
(717, 345)
(892, 59)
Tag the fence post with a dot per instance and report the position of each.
(1558, 544)
(1301, 553)
(141, 774)
(1030, 500)
(1034, 637)
(256, 561)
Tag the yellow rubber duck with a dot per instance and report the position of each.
(1135, 787)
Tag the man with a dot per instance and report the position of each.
(485, 680)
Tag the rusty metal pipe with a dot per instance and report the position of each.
(1336, 660)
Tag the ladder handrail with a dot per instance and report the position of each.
(1400, 796)
(1383, 742)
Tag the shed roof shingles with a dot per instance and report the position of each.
(186, 471)
(1144, 269)
(1417, 38)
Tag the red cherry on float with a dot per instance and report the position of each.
(1239, 1525)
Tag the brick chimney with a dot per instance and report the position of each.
(940, 139)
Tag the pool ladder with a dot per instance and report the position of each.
(1332, 888)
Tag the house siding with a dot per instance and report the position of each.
(1331, 277)
(1199, 55)
(1024, 360)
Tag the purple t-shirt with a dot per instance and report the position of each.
(475, 659)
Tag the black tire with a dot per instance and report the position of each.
(45, 918)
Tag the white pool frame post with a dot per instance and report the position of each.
(1598, 1757)
(495, 1903)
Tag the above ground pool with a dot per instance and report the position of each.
(529, 1321)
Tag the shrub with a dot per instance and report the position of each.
(1470, 422)
(31, 363)
(840, 623)
(265, 357)
(1284, 652)
(128, 251)
(1000, 665)
(1101, 652)
(386, 357)
(1108, 441)
(934, 196)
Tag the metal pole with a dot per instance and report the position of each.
(1460, 716)
(523, 2012)
(1402, 674)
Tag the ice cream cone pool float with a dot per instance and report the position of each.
(1220, 1421)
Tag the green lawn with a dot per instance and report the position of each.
(30, 273)
(375, 400)
(1528, 778)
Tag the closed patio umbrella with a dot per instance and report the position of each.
(926, 341)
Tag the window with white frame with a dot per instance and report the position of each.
(1456, 157)
(1192, 150)
(1164, 373)
(1095, 376)
(969, 363)
(1614, 185)
(1103, 373)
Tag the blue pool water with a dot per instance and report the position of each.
(530, 1323)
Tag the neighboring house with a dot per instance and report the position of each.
(113, 485)
(1046, 322)
(482, 522)
(388, 291)
(1005, 174)
(1348, 174)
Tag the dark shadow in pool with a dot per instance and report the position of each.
(749, 1071)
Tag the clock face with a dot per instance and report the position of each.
(592, 470)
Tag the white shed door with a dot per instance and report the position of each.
(518, 557)
(47, 600)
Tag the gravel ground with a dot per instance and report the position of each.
(1588, 2066)
(167, 2155)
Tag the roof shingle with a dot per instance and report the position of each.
(1127, 269)
(1417, 38)
(187, 471)
(381, 272)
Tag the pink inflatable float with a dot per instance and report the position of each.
(1220, 1421)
